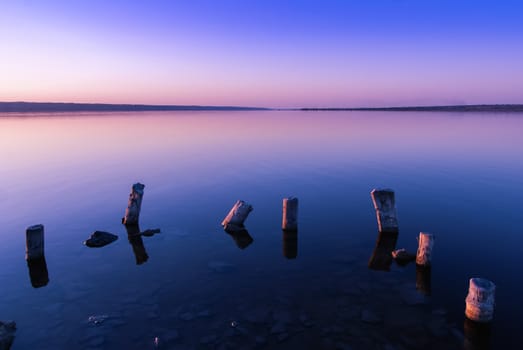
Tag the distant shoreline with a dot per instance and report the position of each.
(49, 107)
(455, 108)
(35, 107)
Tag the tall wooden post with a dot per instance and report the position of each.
(34, 242)
(290, 214)
(132, 213)
(290, 244)
(425, 245)
(385, 206)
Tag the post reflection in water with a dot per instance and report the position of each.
(241, 236)
(135, 239)
(290, 244)
(38, 272)
(477, 335)
(423, 279)
(381, 257)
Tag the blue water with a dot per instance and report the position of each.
(455, 175)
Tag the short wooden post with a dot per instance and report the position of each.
(237, 215)
(423, 279)
(425, 245)
(477, 335)
(290, 244)
(132, 213)
(38, 272)
(290, 214)
(34, 242)
(385, 206)
(480, 300)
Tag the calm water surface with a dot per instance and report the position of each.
(455, 175)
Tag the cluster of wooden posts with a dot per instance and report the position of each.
(479, 301)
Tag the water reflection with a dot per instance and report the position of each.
(477, 335)
(423, 279)
(290, 244)
(135, 239)
(381, 257)
(241, 236)
(38, 272)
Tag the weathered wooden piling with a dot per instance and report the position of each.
(480, 300)
(38, 273)
(237, 215)
(34, 242)
(385, 206)
(425, 245)
(290, 214)
(132, 213)
(290, 244)
(381, 257)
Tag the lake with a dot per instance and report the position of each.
(456, 175)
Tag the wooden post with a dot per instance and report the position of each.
(290, 214)
(34, 242)
(425, 245)
(385, 206)
(38, 272)
(237, 215)
(132, 213)
(290, 244)
(480, 300)
(477, 335)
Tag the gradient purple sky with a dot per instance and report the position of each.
(263, 53)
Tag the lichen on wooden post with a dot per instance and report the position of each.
(480, 300)
(237, 215)
(34, 242)
(132, 213)
(425, 245)
(290, 214)
(385, 206)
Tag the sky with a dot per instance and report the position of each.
(266, 53)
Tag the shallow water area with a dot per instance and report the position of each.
(456, 175)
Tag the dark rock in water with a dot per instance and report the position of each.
(150, 232)
(403, 257)
(7, 334)
(100, 239)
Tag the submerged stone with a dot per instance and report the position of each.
(100, 239)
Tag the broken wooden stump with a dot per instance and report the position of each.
(385, 206)
(99, 239)
(236, 217)
(290, 244)
(38, 273)
(480, 300)
(132, 213)
(476, 335)
(381, 257)
(34, 242)
(290, 214)
(425, 245)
